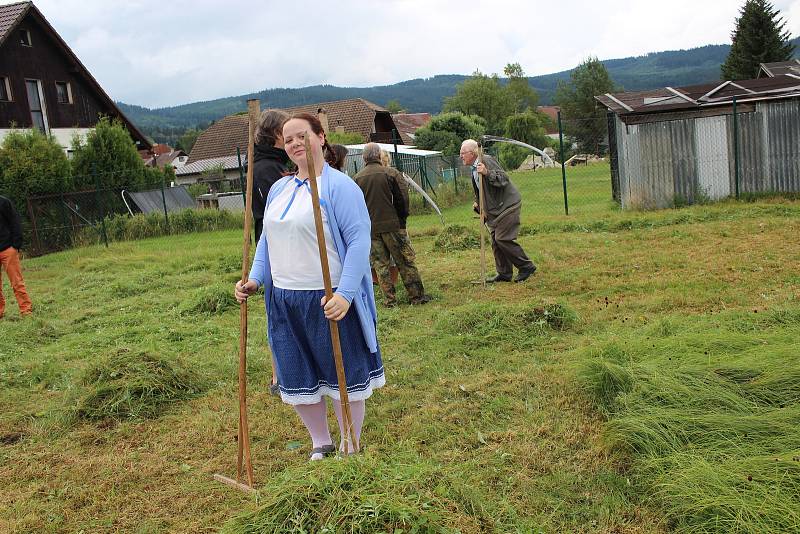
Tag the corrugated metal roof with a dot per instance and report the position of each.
(177, 198)
(197, 167)
(701, 96)
(10, 14)
(780, 67)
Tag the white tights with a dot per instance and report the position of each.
(315, 418)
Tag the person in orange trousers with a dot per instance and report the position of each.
(10, 245)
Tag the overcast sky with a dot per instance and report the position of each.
(163, 53)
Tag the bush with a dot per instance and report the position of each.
(141, 226)
(446, 131)
(128, 385)
(110, 156)
(32, 164)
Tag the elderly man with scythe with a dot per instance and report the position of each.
(501, 209)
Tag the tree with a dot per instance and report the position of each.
(394, 106)
(187, 140)
(344, 138)
(32, 164)
(110, 158)
(446, 131)
(758, 37)
(584, 120)
(483, 96)
(520, 91)
(528, 128)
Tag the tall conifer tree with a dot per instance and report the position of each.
(759, 37)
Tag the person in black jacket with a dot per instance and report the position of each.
(269, 161)
(10, 245)
(269, 165)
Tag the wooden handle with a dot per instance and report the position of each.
(326, 279)
(253, 111)
(482, 212)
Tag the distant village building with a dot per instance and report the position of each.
(770, 70)
(408, 123)
(355, 115)
(551, 127)
(44, 85)
(684, 144)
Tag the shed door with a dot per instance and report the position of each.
(711, 142)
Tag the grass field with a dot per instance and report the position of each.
(647, 379)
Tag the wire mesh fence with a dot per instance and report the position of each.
(629, 163)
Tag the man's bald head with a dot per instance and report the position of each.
(469, 151)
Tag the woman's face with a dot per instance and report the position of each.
(294, 138)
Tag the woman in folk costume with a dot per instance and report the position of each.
(287, 264)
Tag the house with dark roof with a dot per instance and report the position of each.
(408, 123)
(355, 115)
(44, 85)
(707, 141)
(769, 70)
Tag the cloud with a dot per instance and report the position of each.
(167, 53)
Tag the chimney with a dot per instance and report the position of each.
(323, 118)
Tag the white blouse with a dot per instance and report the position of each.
(292, 239)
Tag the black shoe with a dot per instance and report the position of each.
(498, 278)
(525, 274)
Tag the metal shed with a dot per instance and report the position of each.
(707, 141)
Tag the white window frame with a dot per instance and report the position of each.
(69, 92)
(28, 41)
(6, 81)
(41, 101)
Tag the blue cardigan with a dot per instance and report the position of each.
(348, 218)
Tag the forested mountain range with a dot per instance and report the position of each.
(657, 69)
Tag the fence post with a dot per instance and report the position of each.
(164, 200)
(102, 206)
(241, 175)
(455, 175)
(735, 149)
(563, 166)
(32, 217)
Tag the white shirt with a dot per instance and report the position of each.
(292, 239)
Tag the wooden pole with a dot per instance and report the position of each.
(482, 211)
(347, 420)
(253, 110)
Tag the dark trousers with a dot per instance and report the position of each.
(507, 252)
(396, 245)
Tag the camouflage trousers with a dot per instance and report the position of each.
(396, 246)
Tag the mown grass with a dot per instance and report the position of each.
(708, 412)
(604, 414)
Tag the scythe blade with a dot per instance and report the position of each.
(425, 195)
(497, 139)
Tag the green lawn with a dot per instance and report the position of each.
(646, 379)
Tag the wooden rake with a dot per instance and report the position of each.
(347, 420)
(482, 216)
(243, 456)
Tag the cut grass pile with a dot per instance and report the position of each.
(457, 237)
(132, 385)
(370, 494)
(708, 415)
(213, 299)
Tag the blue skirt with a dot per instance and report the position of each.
(300, 340)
